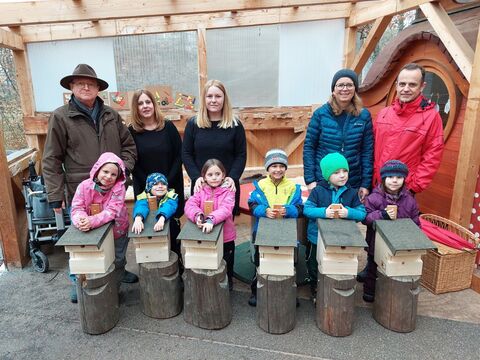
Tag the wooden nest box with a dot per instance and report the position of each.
(90, 252)
(201, 250)
(399, 245)
(276, 240)
(151, 245)
(338, 246)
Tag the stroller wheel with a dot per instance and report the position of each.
(39, 261)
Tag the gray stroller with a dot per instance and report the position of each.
(44, 225)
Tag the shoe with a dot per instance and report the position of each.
(362, 275)
(368, 297)
(252, 301)
(73, 294)
(129, 277)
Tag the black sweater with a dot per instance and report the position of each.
(159, 151)
(227, 145)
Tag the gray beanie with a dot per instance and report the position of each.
(276, 156)
(345, 73)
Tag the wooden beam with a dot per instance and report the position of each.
(10, 40)
(57, 11)
(253, 140)
(350, 46)
(365, 12)
(24, 82)
(371, 41)
(468, 157)
(295, 143)
(453, 39)
(9, 234)
(161, 24)
(19, 161)
(202, 59)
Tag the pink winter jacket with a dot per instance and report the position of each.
(112, 202)
(223, 203)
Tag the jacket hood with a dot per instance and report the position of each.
(108, 157)
(420, 104)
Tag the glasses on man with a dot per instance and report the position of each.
(341, 86)
(83, 84)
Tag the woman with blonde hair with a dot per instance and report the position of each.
(215, 133)
(341, 125)
(159, 149)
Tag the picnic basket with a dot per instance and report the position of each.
(447, 269)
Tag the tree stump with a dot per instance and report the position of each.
(276, 303)
(396, 300)
(98, 301)
(335, 304)
(207, 298)
(160, 288)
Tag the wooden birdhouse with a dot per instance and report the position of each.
(399, 245)
(276, 240)
(151, 245)
(90, 252)
(338, 246)
(201, 250)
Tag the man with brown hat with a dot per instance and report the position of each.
(78, 133)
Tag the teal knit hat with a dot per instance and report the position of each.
(331, 163)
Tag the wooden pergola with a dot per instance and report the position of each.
(52, 20)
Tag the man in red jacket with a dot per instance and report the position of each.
(409, 130)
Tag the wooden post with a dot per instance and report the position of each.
(9, 234)
(395, 305)
(202, 59)
(468, 157)
(276, 303)
(160, 289)
(207, 298)
(336, 304)
(98, 301)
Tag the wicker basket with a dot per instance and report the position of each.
(452, 270)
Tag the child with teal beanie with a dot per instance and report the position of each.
(335, 169)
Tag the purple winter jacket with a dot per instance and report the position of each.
(223, 203)
(378, 200)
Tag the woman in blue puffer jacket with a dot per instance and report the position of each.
(341, 125)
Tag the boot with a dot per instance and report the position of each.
(73, 294)
(129, 277)
(253, 300)
(362, 275)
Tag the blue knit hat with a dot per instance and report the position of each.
(394, 168)
(153, 179)
(345, 73)
(331, 163)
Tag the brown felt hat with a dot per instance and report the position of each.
(83, 70)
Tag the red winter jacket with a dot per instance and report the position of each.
(412, 133)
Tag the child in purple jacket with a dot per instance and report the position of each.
(213, 172)
(391, 191)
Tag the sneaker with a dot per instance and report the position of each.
(252, 301)
(129, 277)
(368, 297)
(73, 294)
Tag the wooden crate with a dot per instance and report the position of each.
(448, 269)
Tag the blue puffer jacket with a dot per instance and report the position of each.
(355, 142)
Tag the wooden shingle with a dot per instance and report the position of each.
(190, 231)
(276, 232)
(148, 228)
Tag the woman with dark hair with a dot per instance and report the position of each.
(215, 134)
(159, 149)
(341, 125)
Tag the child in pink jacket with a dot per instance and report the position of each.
(213, 172)
(106, 190)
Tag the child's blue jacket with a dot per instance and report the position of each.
(321, 197)
(167, 205)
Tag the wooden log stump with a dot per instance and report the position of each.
(160, 288)
(276, 303)
(98, 301)
(207, 298)
(335, 304)
(396, 300)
